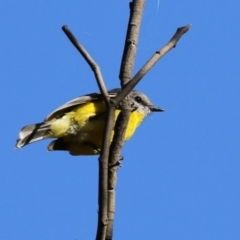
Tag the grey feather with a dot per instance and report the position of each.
(32, 133)
(67, 107)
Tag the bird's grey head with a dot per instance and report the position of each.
(143, 104)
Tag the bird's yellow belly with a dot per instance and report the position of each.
(82, 129)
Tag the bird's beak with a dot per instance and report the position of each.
(156, 109)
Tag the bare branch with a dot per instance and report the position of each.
(95, 68)
(127, 64)
(103, 159)
(151, 62)
(109, 159)
(114, 163)
(120, 134)
(103, 176)
(130, 48)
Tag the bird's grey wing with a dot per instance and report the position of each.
(78, 101)
(72, 104)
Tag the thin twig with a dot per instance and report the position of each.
(151, 62)
(95, 68)
(103, 159)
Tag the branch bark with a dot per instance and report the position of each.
(131, 41)
(110, 156)
(103, 159)
(127, 64)
(151, 62)
(92, 64)
(114, 159)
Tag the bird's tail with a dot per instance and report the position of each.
(32, 133)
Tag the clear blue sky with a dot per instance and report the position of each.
(181, 171)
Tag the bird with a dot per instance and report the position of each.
(78, 125)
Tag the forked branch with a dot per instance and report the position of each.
(109, 157)
(151, 62)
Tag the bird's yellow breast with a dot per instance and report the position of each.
(82, 128)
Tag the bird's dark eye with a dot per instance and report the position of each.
(138, 99)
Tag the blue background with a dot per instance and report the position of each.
(180, 176)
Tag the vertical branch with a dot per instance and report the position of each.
(122, 120)
(131, 41)
(103, 176)
(114, 159)
(103, 159)
(127, 64)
